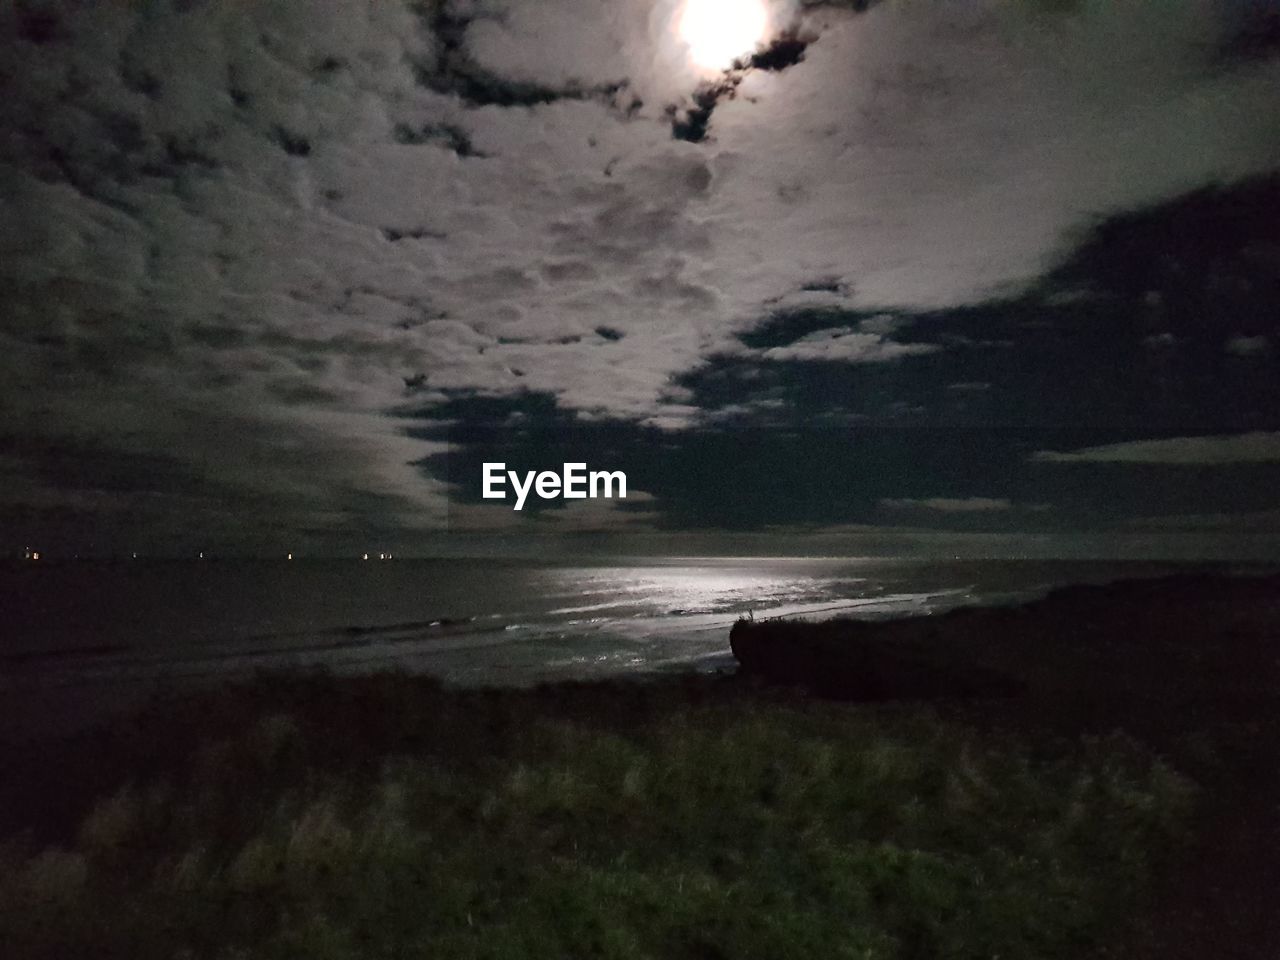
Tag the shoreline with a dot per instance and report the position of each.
(618, 765)
(89, 667)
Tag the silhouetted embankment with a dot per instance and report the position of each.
(1190, 665)
(857, 660)
(1186, 642)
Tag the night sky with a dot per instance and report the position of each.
(979, 278)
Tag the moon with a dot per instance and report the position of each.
(717, 32)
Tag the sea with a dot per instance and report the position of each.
(81, 639)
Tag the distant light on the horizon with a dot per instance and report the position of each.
(289, 557)
(365, 557)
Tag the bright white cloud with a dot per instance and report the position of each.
(846, 345)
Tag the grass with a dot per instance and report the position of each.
(388, 817)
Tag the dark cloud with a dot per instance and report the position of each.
(294, 144)
(453, 71)
(394, 235)
(447, 135)
(38, 24)
(1252, 32)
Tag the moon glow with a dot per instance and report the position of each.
(719, 31)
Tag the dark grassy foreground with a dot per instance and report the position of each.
(1189, 665)
(690, 817)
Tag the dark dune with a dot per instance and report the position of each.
(1181, 642)
(1188, 664)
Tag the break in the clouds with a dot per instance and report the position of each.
(249, 249)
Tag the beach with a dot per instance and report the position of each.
(83, 639)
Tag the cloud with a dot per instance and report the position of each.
(1160, 341)
(1242, 346)
(846, 345)
(1256, 447)
(290, 223)
(950, 505)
